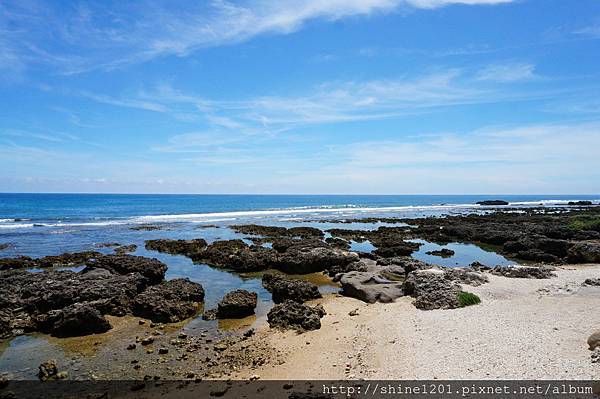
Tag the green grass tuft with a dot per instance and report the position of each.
(467, 299)
(585, 223)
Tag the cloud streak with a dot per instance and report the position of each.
(512, 72)
(109, 35)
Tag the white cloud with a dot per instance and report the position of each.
(198, 142)
(527, 159)
(100, 36)
(125, 102)
(592, 31)
(441, 3)
(333, 102)
(507, 72)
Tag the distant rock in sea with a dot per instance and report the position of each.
(492, 202)
(580, 203)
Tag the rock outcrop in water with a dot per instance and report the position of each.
(152, 269)
(538, 234)
(580, 203)
(271, 232)
(444, 253)
(283, 288)
(293, 256)
(65, 303)
(492, 202)
(169, 301)
(189, 248)
(64, 260)
(237, 304)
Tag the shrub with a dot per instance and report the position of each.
(467, 299)
(586, 223)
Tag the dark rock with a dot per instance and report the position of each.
(294, 315)
(146, 227)
(46, 301)
(65, 303)
(337, 242)
(592, 281)
(582, 252)
(580, 203)
(407, 263)
(275, 231)
(432, 290)
(73, 321)
(122, 250)
(67, 259)
(22, 262)
(5, 327)
(309, 260)
(283, 288)
(290, 255)
(284, 244)
(536, 272)
(478, 267)
(153, 269)
(4, 381)
(64, 260)
(238, 256)
(237, 304)
(107, 245)
(47, 370)
(170, 301)
(350, 267)
(209, 314)
(5, 245)
(594, 340)
(537, 255)
(492, 202)
(393, 248)
(189, 248)
(444, 253)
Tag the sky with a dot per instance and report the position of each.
(291, 96)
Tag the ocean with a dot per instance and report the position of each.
(45, 224)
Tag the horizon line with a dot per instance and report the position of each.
(287, 194)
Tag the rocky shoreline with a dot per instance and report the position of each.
(66, 303)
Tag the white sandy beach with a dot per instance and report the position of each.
(523, 329)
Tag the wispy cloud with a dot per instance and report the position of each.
(109, 35)
(336, 101)
(525, 159)
(592, 31)
(195, 142)
(125, 102)
(511, 72)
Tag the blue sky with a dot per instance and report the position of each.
(338, 96)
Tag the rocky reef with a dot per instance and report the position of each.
(283, 288)
(66, 303)
(293, 256)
